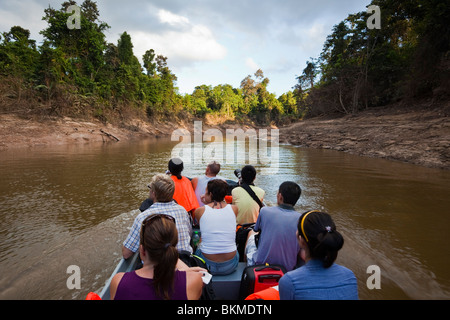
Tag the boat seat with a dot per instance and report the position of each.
(227, 287)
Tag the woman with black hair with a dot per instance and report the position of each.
(184, 193)
(320, 278)
(248, 206)
(217, 221)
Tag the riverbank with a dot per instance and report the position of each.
(20, 132)
(24, 132)
(419, 134)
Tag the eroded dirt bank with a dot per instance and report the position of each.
(17, 132)
(20, 132)
(418, 135)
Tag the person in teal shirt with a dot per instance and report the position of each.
(320, 278)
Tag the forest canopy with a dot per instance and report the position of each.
(76, 72)
(408, 58)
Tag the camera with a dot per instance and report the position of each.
(237, 173)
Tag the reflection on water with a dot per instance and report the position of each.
(73, 205)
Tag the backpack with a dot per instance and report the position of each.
(242, 231)
(194, 261)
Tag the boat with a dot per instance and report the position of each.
(125, 265)
(225, 287)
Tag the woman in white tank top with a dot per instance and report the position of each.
(217, 221)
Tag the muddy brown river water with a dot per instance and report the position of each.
(72, 205)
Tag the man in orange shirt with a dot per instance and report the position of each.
(184, 193)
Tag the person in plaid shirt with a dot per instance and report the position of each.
(161, 191)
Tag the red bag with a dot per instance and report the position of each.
(258, 278)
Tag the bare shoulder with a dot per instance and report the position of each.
(199, 212)
(194, 275)
(115, 284)
(117, 277)
(194, 285)
(194, 279)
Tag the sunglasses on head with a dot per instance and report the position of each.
(151, 218)
(155, 216)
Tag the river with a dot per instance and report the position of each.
(73, 205)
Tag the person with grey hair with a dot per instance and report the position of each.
(161, 191)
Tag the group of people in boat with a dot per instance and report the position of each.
(306, 245)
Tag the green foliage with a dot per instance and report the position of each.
(358, 68)
(18, 54)
(125, 49)
(149, 65)
(74, 65)
(289, 104)
(362, 68)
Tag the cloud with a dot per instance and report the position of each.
(25, 14)
(172, 19)
(249, 62)
(182, 41)
(312, 38)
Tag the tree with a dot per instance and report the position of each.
(81, 48)
(306, 80)
(255, 93)
(18, 53)
(75, 70)
(361, 68)
(200, 100)
(258, 101)
(149, 65)
(90, 10)
(289, 103)
(249, 94)
(125, 49)
(225, 100)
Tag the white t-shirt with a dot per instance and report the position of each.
(218, 229)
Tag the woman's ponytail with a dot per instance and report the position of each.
(159, 239)
(164, 272)
(329, 243)
(319, 231)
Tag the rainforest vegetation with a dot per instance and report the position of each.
(76, 72)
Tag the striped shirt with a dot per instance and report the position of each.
(182, 221)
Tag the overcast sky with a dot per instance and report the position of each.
(211, 41)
